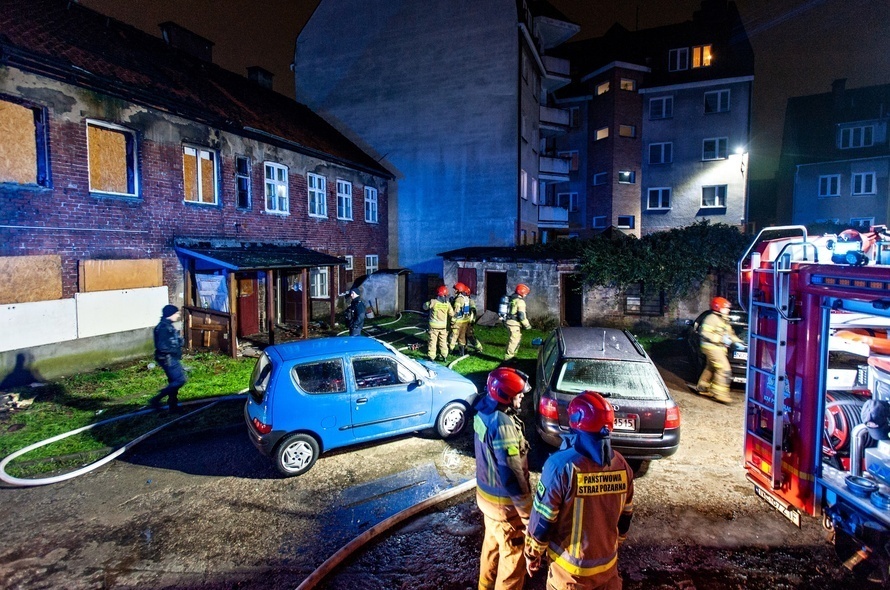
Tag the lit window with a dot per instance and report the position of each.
(625, 222)
(701, 56)
(318, 283)
(534, 187)
(678, 59)
(523, 184)
(717, 101)
(570, 155)
(24, 157)
(318, 205)
(277, 197)
(372, 263)
(112, 160)
(370, 204)
(627, 130)
(599, 221)
(661, 153)
(344, 199)
(600, 178)
(602, 133)
(627, 177)
(602, 88)
(830, 185)
(199, 175)
(661, 108)
(856, 137)
(242, 182)
(659, 198)
(714, 149)
(713, 196)
(628, 84)
(567, 201)
(864, 183)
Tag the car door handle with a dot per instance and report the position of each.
(361, 400)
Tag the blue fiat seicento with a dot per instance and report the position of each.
(311, 396)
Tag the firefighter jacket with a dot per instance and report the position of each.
(167, 339)
(502, 483)
(464, 309)
(582, 509)
(516, 314)
(440, 310)
(715, 330)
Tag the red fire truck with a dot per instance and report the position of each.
(818, 353)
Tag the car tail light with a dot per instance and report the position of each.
(672, 418)
(262, 428)
(548, 408)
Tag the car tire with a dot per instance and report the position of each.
(452, 420)
(296, 454)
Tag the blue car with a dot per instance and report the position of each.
(311, 396)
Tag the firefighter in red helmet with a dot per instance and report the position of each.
(464, 316)
(583, 504)
(516, 319)
(440, 311)
(503, 491)
(715, 336)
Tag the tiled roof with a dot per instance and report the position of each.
(69, 42)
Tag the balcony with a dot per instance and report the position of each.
(550, 217)
(554, 169)
(555, 121)
(557, 73)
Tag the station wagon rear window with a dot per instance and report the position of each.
(620, 380)
(320, 376)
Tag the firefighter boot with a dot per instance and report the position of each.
(463, 350)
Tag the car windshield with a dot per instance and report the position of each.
(621, 380)
(418, 369)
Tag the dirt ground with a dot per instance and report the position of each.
(212, 513)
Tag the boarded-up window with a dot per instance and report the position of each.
(18, 144)
(199, 175)
(36, 278)
(112, 275)
(112, 159)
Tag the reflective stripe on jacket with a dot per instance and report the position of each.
(713, 328)
(440, 310)
(517, 312)
(464, 309)
(502, 477)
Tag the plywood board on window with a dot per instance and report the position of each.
(108, 160)
(30, 278)
(111, 275)
(18, 144)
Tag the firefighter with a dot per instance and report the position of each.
(503, 491)
(715, 336)
(464, 316)
(516, 319)
(440, 311)
(583, 504)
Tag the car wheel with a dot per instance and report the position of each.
(451, 420)
(296, 454)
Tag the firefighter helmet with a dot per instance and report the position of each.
(719, 303)
(591, 412)
(522, 289)
(461, 288)
(442, 291)
(505, 383)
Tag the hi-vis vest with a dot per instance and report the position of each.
(463, 309)
(439, 313)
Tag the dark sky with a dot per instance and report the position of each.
(800, 46)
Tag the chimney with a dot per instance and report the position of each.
(181, 38)
(261, 76)
(837, 91)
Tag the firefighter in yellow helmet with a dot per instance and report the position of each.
(464, 316)
(516, 319)
(440, 311)
(716, 335)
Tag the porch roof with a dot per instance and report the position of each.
(238, 256)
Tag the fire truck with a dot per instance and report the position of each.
(818, 354)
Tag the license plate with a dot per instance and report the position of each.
(788, 512)
(625, 423)
(741, 355)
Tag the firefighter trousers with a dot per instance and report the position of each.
(717, 374)
(458, 334)
(513, 343)
(438, 342)
(502, 563)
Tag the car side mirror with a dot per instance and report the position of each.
(537, 341)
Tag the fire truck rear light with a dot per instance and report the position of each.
(262, 428)
(548, 408)
(672, 418)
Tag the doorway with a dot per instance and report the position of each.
(248, 306)
(495, 288)
(571, 288)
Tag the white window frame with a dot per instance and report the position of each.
(720, 194)
(722, 98)
(344, 199)
(666, 108)
(245, 177)
(601, 133)
(523, 184)
(372, 263)
(319, 283)
(627, 130)
(629, 222)
(600, 178)
(280, 203)
(829, 185)
(856, 136)
(131, 158)
(665, 152)
(533, 184)
(599, 222)
(863, 183)
(570, 200)
(663, 198)
(350, 262)
(719, 150)
(200, 153)
(317, 195)
(678, 59)
(602, 88)
(371, 203)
